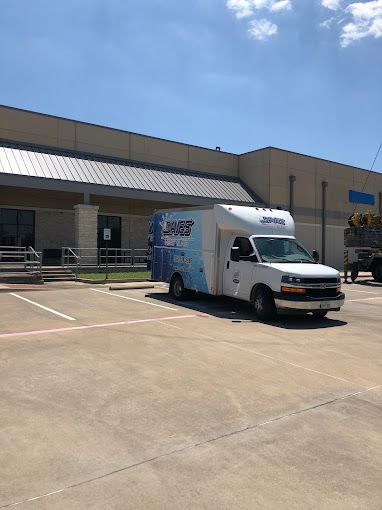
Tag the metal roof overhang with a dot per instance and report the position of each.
(108, 191)
(57, 170)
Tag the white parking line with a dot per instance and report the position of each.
(43, 307)
(134, 299)
(363, 299)
(363, 291)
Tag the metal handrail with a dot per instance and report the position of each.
(21, 256)
(116, 257)
(68, 253)
(37, 261)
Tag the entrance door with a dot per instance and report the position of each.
(17, 227)
(237, 279)
(114, 223)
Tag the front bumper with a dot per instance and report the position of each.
(308, 304)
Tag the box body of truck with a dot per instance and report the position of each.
(229, 250)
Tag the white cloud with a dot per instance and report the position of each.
(366, 21)
(246, 8)
(242, 8)
(334, 5)
(355, 20)
(281, 5)
(262, 29)
(327, 23)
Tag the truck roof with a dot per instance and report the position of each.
(249, 220)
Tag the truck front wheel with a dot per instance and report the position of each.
(377, 273)
(264, 304)
(319, 314)
(177, 289)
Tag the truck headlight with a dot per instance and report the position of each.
(292, 279)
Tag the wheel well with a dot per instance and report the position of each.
(174, 275)
(376, 262)
(258, 286)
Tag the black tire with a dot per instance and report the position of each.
(264, 304)
(377, 273)
(354, 275)
(319, 314)
(177, 289)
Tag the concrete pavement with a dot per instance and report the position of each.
(139, 402)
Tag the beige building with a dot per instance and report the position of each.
(63, 181)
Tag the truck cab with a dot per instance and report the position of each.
(278, 275)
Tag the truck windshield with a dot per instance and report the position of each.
(273, 249)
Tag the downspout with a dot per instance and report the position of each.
(323, 222)
(292, 180)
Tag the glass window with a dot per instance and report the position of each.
(26, 235)
(16, 227)
(102, 222)
(281, 250)
(26, 217)
(244, 245)
(8, 235)
(114, 222)
(9, 216)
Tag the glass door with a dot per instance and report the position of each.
(17, 227)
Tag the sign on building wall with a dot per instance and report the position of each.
(107, 234)
(357, 197)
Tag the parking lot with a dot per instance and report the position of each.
(127, 400)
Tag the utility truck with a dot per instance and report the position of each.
(248, 253)
(363, 245)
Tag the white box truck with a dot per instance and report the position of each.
(248, 253)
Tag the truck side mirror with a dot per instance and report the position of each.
(316, 256)
(235, 254)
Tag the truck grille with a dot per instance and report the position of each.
(322, 293)
(316, 281)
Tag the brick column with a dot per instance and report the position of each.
(86, 221)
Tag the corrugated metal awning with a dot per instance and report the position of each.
(60, 165)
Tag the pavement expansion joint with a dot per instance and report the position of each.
(196, 445)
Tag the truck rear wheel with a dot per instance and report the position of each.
(177, 289)
(264, 304)
(320, 314)
(354, 275)
(377, 273)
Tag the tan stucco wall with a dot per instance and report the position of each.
(265, 171)
(254, 171)
(309, 173)
(28, 197)
(30, 127)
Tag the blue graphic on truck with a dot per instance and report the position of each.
(177, 247)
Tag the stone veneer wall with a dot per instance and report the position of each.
(86, 221)
(134, 231)
(53, 229)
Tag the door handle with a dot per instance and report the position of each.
(228, 264)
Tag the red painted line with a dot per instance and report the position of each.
(93, 326)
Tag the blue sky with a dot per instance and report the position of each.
(303, 75)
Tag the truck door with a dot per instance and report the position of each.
(237, 277)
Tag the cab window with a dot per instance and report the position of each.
(244, 245)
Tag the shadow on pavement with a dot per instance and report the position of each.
(238, 312)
